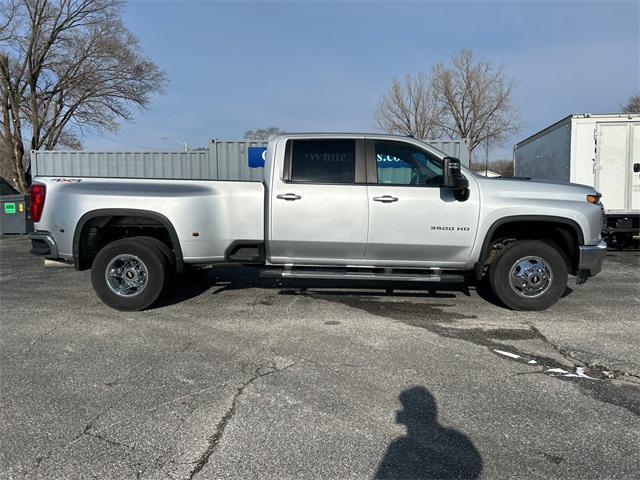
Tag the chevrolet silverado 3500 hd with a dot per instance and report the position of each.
(329, 207)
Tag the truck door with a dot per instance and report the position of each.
(635, 169)
(613, 165)
(411, 217)
(318, 202)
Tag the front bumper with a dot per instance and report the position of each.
(590, 262)
(43, 244)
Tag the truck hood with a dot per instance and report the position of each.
(533, 185)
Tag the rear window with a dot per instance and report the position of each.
(323, 161)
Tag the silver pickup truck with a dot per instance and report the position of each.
(329, 207)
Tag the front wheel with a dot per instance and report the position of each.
(529, 275)
(130, 274)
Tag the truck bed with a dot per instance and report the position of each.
(208, 215)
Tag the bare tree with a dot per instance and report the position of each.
(65, 65)
(262, 133)
(633, 104)
(6, 163)
(477, 100)
(410, 108)
(7, 13)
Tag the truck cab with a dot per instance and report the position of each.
(365, 201)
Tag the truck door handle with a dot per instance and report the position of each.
(289, 196)
(385, 199)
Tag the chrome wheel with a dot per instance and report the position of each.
(530, 277)
(127, 275)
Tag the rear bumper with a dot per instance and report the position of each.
(590, 262)
(43, 244)
(621, 223)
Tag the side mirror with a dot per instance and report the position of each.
(453, 177)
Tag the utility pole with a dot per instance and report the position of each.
(486, 159)
(181, 142)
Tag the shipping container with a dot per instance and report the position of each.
(601, 150)
(155, 164)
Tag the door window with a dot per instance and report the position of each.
(399, 163)
(323, 161)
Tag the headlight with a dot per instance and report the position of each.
(593, 199)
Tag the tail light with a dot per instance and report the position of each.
(37, 194)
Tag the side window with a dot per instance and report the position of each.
(403, 164)
(323, 161)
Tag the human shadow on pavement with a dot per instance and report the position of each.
(428, 450)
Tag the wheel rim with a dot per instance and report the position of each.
(530, 277)
(127, 275)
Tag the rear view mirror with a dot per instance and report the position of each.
(453, 177)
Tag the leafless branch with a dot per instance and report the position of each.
(65, 64)
(477, 100)
(633, 104)
(410, 108)
(261, 133)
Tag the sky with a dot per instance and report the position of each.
(323, 66)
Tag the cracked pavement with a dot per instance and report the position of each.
(237, 378)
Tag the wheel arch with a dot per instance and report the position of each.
(125, 212)
(526, 220)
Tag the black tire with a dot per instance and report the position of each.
(530, 295)
(169, 255)
(622, 239)
(143, 254)
(191, 272)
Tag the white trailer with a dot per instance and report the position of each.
(600, 150)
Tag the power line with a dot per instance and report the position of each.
(120, 141)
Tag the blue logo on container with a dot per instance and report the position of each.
(257, 156)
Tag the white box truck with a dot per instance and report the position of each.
(599, 150)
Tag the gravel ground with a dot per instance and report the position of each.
(235, 378)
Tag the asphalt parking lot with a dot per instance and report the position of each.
(233, 378)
